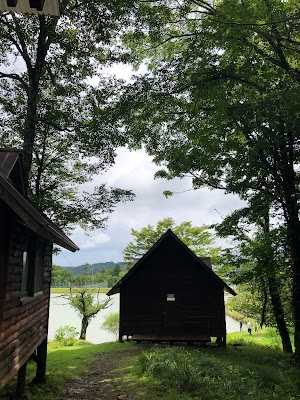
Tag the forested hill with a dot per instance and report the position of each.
(92, 269)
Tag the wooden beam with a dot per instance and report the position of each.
(41, 360)
(21, 379)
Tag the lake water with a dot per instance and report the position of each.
(61, 313)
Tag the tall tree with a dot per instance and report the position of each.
(50, 109)
(221, 101)
(198, 238)
(260, 263)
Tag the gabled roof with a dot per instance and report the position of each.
(169, 233)
(31, 216)
(8, 159)
(11, 168)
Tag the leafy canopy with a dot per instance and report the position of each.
(52, 109)
(222, 93)
(220, 103)
(199, 239)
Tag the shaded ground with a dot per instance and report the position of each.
(103, 379)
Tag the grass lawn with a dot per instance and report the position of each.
(63, 363)
(265, 337)
(250, 366)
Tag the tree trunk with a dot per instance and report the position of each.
(84, 325)
(293, 227)
(274, 290)
(35, 70)
(279, 314)
(264, 306)
(29, 131)
(290, 205)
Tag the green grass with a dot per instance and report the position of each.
(217, 374)
(63, 363)
(238, 316)
(263, 337)
(257, 368)
(250, 366)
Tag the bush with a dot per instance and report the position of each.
(66, 335)
(111, 324)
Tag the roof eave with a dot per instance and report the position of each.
(113, 290)
(32, 218)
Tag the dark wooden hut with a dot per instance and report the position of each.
(26, 240)
(170, 294)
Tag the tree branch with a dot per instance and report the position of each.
(215, 76)
(273, 60)
(55, 125)
(23, 49)
(205, 5)
(171, 38)
(15, 77)
(283, 21)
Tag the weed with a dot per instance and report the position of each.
(66, 335)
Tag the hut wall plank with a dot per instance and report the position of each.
(23, 322)
(4, 245)
(199, 298)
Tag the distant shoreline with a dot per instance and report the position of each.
(67, 290)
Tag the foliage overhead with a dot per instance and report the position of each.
(220, 103)
(53, 93)
(222, 84)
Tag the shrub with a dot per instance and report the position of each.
(111, 324)
(66, 335)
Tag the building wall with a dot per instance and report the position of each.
(199, 299)
(23, 321)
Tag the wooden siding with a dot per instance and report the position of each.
(23, 322)
(4, 242)
(199, 299)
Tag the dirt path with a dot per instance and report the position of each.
(103, 379)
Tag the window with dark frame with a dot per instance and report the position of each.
(33, 263)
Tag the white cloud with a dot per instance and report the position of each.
(93, 241)
(134, 170)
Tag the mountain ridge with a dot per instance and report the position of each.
(93, 268)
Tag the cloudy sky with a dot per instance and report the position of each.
(135, 170)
